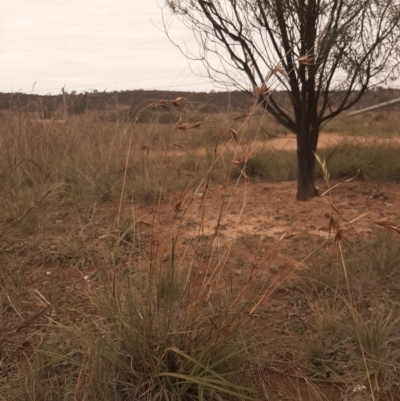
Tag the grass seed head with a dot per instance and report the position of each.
(234, 134)
(307, 59)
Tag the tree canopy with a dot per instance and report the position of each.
(324, 53)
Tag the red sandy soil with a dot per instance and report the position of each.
(289, 143)
(329, 139)
(269, 211)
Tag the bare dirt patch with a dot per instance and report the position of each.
(330, 139)
(286, 143)
(270, 211)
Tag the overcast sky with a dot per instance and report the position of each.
(91, 44)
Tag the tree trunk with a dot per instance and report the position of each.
(305, 180)
(306, 146)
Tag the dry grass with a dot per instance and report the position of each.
(382, 123)
(94, 307)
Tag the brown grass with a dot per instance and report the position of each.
(97, 305)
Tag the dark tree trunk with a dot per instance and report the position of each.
(306, 147)
(306, 181)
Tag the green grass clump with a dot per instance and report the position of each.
(165, 341)
(272, 165)
(377, 162)
(381, 123)
(352, 322)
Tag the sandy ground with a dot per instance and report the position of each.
(282, 143)
(328, 139)
(265, 212)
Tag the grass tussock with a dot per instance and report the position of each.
(377, 162)
(155, 335)
(350, 321)
(383, 123)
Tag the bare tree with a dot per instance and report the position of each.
(324, 53)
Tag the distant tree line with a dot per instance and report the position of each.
(49, 106)
(127, 103)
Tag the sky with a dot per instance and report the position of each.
(86, 45)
